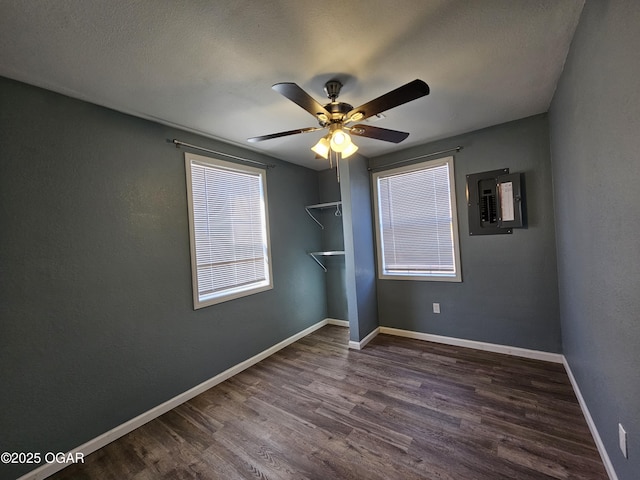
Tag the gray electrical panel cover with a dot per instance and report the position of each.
(495, 202)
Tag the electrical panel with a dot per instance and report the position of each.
(495, 201)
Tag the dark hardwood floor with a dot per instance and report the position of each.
(398, 409)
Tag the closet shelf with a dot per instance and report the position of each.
(329, 253)
(320, 206)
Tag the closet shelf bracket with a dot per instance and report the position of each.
(337, 205)
(331, 253)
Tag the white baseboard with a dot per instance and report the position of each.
(352, 344)
(340, 323)
(361, 344)
(489, 347)
(608, 466)
(91, 446)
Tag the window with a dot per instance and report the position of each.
(229, 230)
(416, 220)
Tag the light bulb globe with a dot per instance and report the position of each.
(340, 141)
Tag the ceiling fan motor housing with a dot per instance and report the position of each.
(337, 109)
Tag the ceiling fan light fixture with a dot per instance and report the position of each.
(350, 150)
(322, 148)
(340, 140)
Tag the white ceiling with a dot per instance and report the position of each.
(208, 65)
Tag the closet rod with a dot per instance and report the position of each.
(381, 167)
(179, 144)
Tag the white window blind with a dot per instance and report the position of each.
(230, 248)
(417, 225)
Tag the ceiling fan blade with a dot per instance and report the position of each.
(378, 133)
(283, 134)
(394, 98)
(298, 96)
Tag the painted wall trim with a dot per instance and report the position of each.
(361, 344)
(489, 347)
(592, 426)
(91, 446)
(339, 323)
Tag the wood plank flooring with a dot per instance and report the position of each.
(398, 409)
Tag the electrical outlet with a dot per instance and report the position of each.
(436, 308)
(622, 437)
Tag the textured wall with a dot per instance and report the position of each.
(97, 323)
(509, 292)
(595, 144)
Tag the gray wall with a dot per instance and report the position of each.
(97, 323)
(359, 248)
(509, 292)
(595, 145)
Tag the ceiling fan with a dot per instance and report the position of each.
(337, 117)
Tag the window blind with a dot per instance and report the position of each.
(415, 222)
(229, 230)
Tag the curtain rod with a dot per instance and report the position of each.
(455, 149)
(179, 144)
